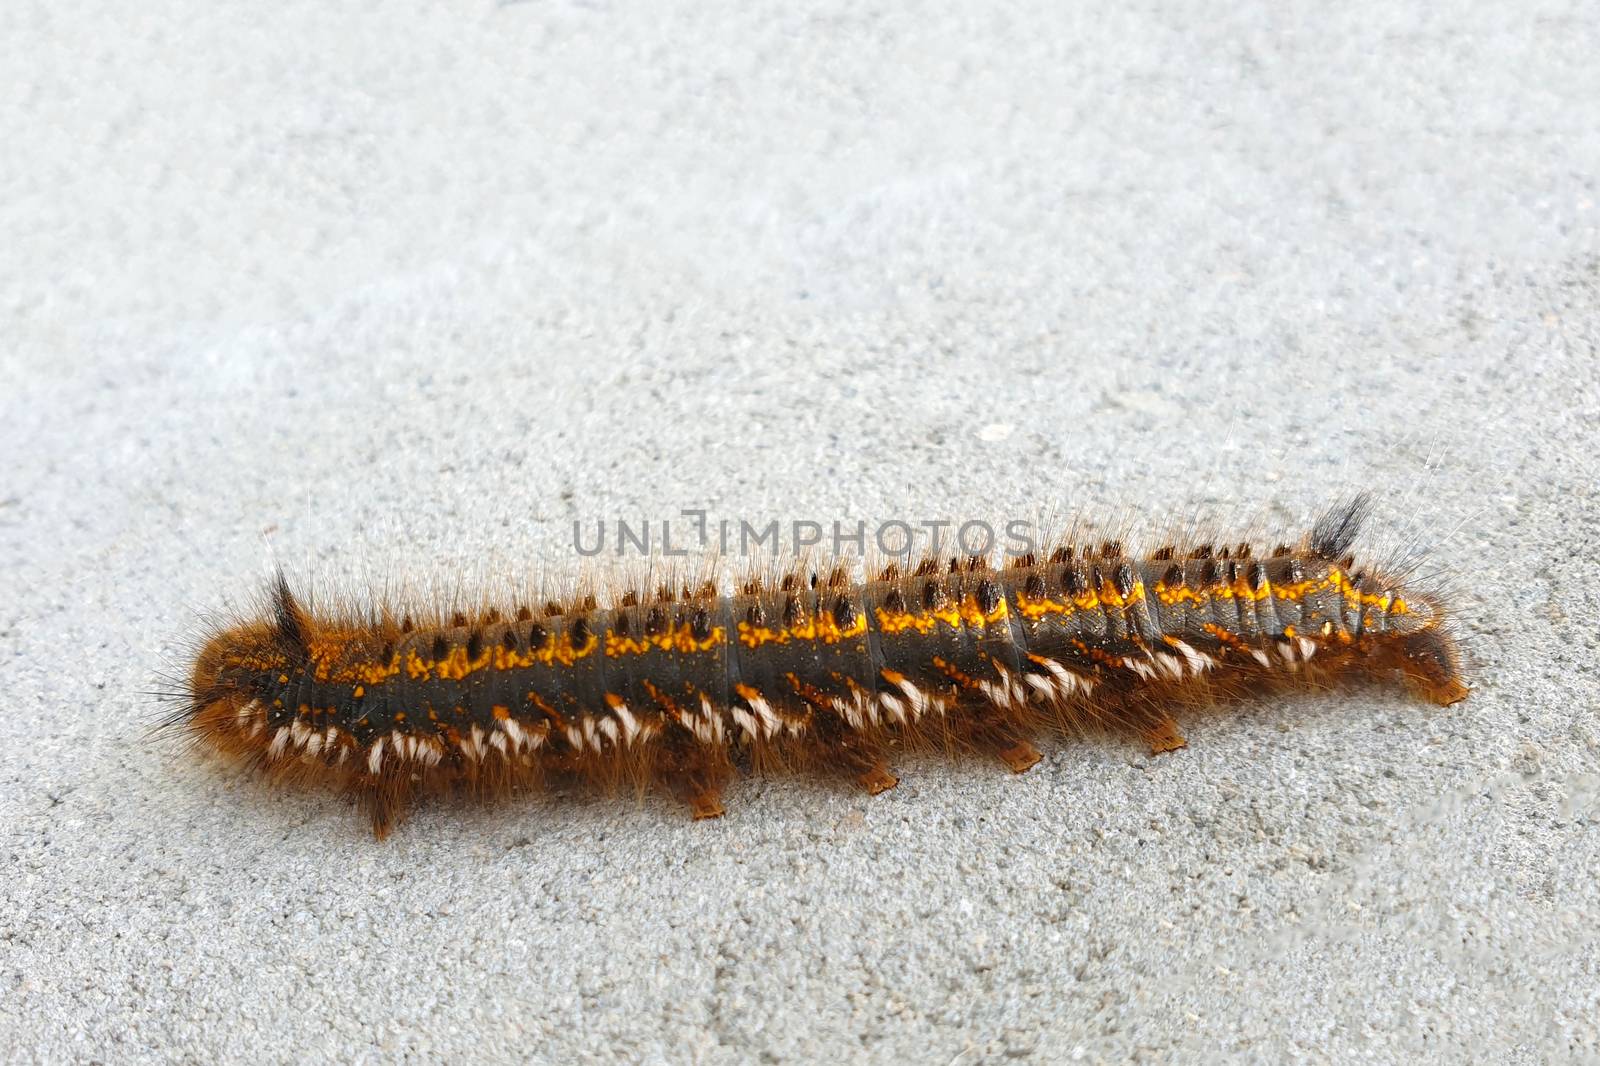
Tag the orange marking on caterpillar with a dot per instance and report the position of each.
(1169, 595)
(808, 692)
(674, 637)
(1225, 637)
(954, 674)
(1033, 610)
(664, 701)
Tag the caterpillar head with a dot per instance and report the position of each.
(231, 665)
(1416, 643)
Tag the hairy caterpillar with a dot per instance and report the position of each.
(816, 670)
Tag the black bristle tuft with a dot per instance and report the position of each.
(988, 596)
(288, 621)
(1336, 530)
(700, 624)
(1124, 580)
(844, 612)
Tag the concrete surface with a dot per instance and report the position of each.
(416, 285)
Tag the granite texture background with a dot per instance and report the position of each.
(409, 288)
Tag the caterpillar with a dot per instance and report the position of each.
(683, 686)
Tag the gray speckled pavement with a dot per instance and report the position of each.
(415, 286)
